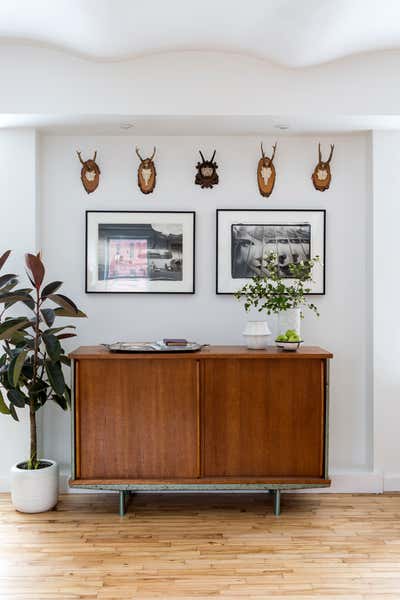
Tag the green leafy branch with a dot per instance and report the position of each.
(273, 294)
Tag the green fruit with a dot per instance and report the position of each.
(291, 332)
(281, 338)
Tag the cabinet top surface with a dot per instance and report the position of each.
(99, 352)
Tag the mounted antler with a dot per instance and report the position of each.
(90, 172)
(274, 150)
(266, 173)
(146, 173)
(321, 176)
(138, 153)
(206, 175)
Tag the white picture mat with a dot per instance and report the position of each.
(227, 218)
(94, 219)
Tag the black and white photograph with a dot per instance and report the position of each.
(140, 252)
(252, 243)
(246, 237)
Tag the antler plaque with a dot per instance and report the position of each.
(146, 173)
(321, 176)
(90, 173)
(266, 173)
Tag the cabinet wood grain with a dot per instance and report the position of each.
(225, 415)
(137, 419)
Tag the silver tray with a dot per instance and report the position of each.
(129, 347)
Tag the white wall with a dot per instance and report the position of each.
(386, 184)
(345, 320)
(18, 210)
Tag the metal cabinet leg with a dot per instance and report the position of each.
(277, 503)
(122, 502)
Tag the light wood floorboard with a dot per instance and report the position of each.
(323, 546)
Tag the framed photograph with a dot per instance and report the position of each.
(140, 252)
(245, 237)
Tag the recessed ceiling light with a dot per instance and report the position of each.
(126, 125)
(281, 126)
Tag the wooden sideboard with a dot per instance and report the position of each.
(222, 418)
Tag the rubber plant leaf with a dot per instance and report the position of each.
(4, 410)
(61, 312)
(4, 279)
(50, 288)
(15, 368)
(53, 346)
(36, 268)
(17, 398)
(10, 326)
(64, 302)
(4, 257)
(56, 377)
(48, 315)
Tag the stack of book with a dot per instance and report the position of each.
(175, 342)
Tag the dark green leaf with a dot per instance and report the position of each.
(53, 346)
(48, 315)
(27, 371)
(50, 288)
(65, 360)
(6, 279)
(36, 268)
(61, 312)
(15, 368)
(61, 401)
(10, 326)
(3, 406)
(64, 336)
(64, 302)
(56, 377)
(13, 412)
(17, 398)
(67, 396)
(58, 329)
(4, 257)
(13, 297)
(37, 388)
(29, 302)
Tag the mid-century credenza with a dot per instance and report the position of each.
(224, 418)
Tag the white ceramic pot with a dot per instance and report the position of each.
(34, 490)
(256, 335)
(289, 319)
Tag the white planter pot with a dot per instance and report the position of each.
(289, 319)
(256, 335)
(34, 490)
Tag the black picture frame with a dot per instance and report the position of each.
(192, 245)
(301, 211)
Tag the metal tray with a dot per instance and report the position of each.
(151, 347)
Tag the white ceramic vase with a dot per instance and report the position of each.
(256, 335)
(34, 490)
(289, 319)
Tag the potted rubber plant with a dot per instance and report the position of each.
(32, 360)
(285, 297)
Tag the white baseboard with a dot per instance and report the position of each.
(391, 482)
(4, 484)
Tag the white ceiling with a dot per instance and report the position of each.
(61, 124)
(292, 33)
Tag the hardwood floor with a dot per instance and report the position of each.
(323, 546)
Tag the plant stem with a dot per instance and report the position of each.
(32, 412)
